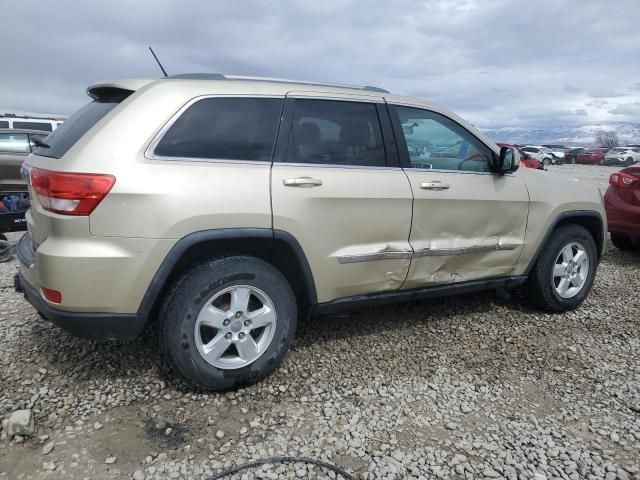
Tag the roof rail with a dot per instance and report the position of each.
(219, 76)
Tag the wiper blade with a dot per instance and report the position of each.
(40, 143)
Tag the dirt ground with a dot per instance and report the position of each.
(466, 387)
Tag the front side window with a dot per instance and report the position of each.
(334, 132)
(225, 129)
(4, 124)
(14, 143)
(437, 142)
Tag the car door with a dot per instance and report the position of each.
(468, 223)
(337, 187)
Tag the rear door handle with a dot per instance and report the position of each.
(435, 185)
(302, 182)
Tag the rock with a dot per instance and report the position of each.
(220, 434)
(21, 422)
(97, 426)
(138, 475)
(466, 408)
(46, 450)
(50, 466)
(110, 460)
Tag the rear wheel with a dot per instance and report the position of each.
(228, 322)
(564, 272)
(546, 161)
(624, 242)
(572, 160)
(628, 162)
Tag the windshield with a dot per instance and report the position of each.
(67, 134)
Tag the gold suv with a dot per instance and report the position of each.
(226, 207)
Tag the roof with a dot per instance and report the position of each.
(133, 84)
(24, 130)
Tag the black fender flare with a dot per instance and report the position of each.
(268, 235)
(563, 218)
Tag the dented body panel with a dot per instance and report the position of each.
(473, 229)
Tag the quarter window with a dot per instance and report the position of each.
(334, 132)
(224, 128)
(437, 142)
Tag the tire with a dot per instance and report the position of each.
(572, 160)
(624, 243)
(190, 302)
(628, 162)
(546, 162)
(3, 237)
(541, 288)
(6, 251)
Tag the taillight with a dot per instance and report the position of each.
(70, 193)
(623, 180)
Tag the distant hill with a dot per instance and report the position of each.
(579, 136)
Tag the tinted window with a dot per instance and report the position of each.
(4, 124)
(437, 142)
(33, 125)
(14, 143)
(224, 128)
(67, 134)
(336, 133)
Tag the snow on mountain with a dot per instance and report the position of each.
(578, 136)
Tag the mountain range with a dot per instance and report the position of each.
(565, 135)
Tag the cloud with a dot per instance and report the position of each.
(495, 62)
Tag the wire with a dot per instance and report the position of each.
(281, 460)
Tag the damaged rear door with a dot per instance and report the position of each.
(468, 223)
(338, 188)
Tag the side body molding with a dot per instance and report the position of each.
(271, 239)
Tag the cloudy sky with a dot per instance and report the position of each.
(529, 63)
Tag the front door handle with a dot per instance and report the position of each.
(435, 185)
(302, 182)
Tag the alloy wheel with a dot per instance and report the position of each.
(235, 327)
(571, 270)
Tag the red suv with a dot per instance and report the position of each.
(622, 202)
(584, 156)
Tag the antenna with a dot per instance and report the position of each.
(164, 72)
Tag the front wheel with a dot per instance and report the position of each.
(564, 272)
(228, 322)
(546, 162)
(572, 160)
(628, 162)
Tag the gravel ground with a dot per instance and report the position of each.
(466, 387)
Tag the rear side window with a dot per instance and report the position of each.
(334, 132)
(67, 134)
(4, 124)
(33, 125)
(225, 129)
(14, 143)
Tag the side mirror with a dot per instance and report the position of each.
(508, 160)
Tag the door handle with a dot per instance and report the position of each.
(302, 182)
(435, 185)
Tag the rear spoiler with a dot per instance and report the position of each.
(116, 90)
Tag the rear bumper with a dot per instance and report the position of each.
(621, 217)
(97, 326)
(94, 325)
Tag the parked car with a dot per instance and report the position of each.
(22, 122)
(544, 154)
(15, 145)
(225, 207)
(584, 156)
(622, 203)
(622, 156)
(525, 159)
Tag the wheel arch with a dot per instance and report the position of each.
(591, 220)
(276, 247)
